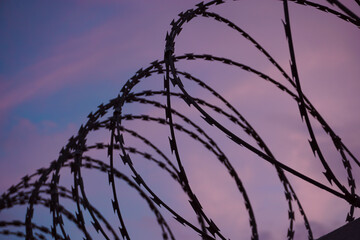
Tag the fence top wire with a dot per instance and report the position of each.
(122, 165)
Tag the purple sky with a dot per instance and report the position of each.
(60, 60)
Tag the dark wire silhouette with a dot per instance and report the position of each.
(42, 187)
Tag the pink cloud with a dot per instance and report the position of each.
(70, 63)
(106, 51)
(29, 148)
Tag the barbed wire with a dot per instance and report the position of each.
(43, 187)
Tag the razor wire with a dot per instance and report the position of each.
(43, 187)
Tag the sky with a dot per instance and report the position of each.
(60, 59)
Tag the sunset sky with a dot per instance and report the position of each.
(60, 59)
